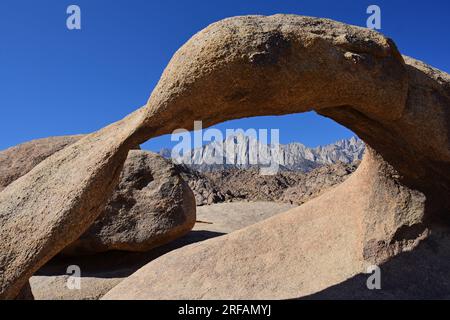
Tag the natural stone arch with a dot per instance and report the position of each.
(250, 66)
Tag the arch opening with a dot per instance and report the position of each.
(354, 76)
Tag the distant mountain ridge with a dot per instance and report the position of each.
(247, 152)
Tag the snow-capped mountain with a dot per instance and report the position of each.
(242, 152)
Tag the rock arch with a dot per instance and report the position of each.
(250, 66)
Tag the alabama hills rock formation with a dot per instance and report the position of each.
(250, 66)
(308, 173)
(151, 206)
(248, 184)
(291, 255)
(248, 150)
(102, 272)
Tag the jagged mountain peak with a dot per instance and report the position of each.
(243, 151)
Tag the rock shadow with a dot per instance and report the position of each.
(119, 264)
(423, 273)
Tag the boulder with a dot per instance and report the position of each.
(151, 206)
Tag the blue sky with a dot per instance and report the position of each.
(55, 82)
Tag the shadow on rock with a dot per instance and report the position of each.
(119, 264)
(421, 274)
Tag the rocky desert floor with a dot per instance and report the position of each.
(101, 272)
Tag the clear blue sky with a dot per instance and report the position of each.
(55, 82)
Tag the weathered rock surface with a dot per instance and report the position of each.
(51, 206)
(19, 160)
(98, 274)
(420, 274)
(205, 191)
(250, 66)
(284, 64)
(102, 272)
(152, 205)
(293, 254)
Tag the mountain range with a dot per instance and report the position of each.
(243, 152)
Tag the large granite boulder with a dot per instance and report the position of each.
(151, 206)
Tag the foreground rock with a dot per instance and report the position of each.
(102, 272)
(420, 274)
(19, 160)
(293, 254)
(99, 273)
(280, 65)
(51, 206)
(151, 206)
